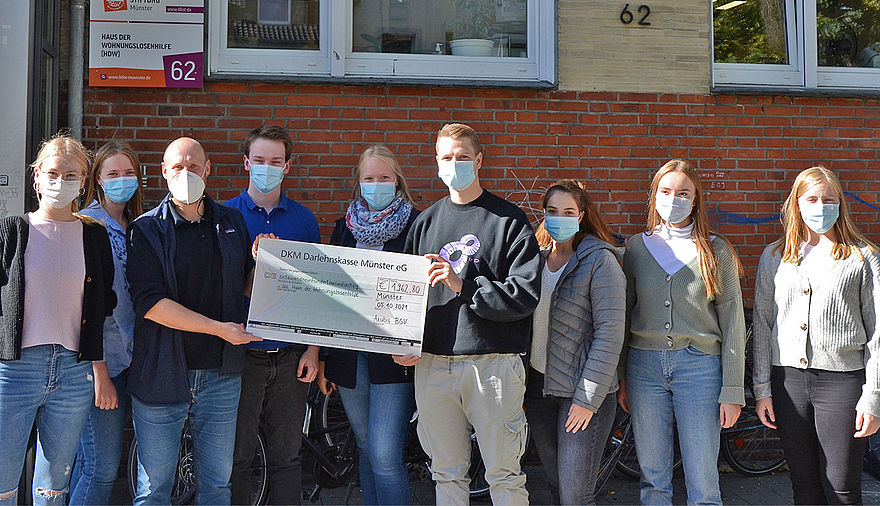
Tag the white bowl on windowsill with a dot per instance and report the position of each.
(472, 47)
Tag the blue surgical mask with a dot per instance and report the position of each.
(379, 194)
(120, 189)
(673, 209)
(561, 228)
(456, 174)
(820, 217)
(266, 177)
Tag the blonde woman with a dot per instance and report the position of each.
(115, 199)
(685, 338)
(57, 273)
(377, 393)
(817, 376)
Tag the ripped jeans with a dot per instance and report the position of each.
(49, 386)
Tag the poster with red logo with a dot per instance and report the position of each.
(146, 43)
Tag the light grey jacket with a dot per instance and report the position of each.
(587, 315)
(827, 320)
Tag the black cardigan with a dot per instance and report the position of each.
(341, 365)
(98, 296)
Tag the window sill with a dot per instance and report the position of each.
(728, 89)
(387, 80)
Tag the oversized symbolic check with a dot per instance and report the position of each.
(350, 298)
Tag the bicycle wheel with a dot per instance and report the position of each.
(750, 447)
(620, 432)
(332, 434)
(183, 490)
(331, 424)
(628, 463)
(258, 477)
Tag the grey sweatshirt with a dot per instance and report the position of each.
(829, 323)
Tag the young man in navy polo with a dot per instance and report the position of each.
(277, 374)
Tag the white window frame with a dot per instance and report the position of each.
(803, 71)
(334, 59)
(224, 60)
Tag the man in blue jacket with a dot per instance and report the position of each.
(189, 265)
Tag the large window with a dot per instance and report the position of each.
(423, 40)
(808, 44)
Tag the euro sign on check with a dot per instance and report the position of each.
(351, 298)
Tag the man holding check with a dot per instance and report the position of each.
(190, 266)
(486, 283)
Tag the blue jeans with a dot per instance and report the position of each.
(49, 386)
(158, 427)
(100, 448)
(685, 383)
(379, 415)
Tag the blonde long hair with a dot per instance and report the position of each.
(701, 232)
(62, 145)
(795, 231)
(382, 153)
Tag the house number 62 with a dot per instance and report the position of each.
(626, 16)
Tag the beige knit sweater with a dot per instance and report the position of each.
(825, 321)
(671, 312)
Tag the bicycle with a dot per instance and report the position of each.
(327, 439)
(750, 447)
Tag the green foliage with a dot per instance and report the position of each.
(844, 27)
(740, 36)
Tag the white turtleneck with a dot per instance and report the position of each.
(672, 248)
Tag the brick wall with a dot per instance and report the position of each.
(747, 147)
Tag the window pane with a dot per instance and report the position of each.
(49, 19)
(273, 24)
(493, 27)
(48, 95)
(750, 31)
(848, 33)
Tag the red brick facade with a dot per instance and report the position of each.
(748, 147)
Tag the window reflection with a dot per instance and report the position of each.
(458, 27)
(750, 31)
(848, 33)
(274, 24)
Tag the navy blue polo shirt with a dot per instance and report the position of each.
(289, 220)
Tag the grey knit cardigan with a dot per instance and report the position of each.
(587, 314)
(826, 321)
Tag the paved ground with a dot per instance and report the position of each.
(774, 488)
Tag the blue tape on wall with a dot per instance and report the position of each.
(722, 216)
